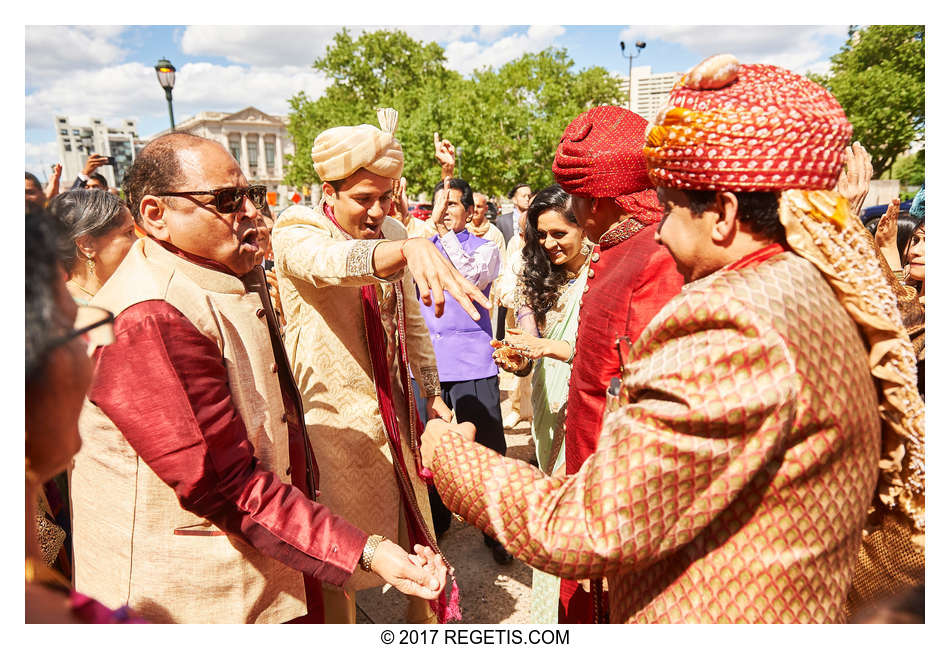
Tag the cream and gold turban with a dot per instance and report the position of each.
(340, 151)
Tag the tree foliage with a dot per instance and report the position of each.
(909, 169)
(505, 123)
(878, 77)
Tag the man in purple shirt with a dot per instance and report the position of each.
(468, 375)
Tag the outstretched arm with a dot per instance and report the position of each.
(645, 491)
(305, 249)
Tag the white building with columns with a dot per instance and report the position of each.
(258, 141)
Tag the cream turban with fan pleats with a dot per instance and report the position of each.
(340, 151)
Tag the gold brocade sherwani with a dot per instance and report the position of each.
(733, 484)
(319, 274)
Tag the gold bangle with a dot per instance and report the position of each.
(369, 551)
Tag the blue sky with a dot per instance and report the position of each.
(227, 68)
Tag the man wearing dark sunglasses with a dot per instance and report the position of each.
(194, 497)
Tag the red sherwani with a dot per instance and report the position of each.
(631, 278)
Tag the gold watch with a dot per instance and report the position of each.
(369, 551)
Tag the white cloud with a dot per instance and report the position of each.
(437, 33)
(795, 47)
(491, 32)
(39, 157)
(274, 45)
(130, 90)
(204, 86)
(264, 45)
(56, 51)
(466, 56)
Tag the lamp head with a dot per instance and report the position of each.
(165, 72)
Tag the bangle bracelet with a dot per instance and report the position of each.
(369, 551)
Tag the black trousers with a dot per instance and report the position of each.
(479, 403)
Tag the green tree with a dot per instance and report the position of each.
(909, 169)
(878, 77)
(378, 69)
(504, 123)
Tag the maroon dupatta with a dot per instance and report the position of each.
(446, 607)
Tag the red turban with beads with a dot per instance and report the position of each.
(601, 156)
(747, 128)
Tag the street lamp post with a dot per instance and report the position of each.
(165, 72)
(630, 57)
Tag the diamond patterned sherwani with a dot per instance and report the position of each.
(734, 484)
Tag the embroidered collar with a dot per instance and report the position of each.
(621, 233)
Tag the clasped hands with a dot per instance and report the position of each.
(421, 574)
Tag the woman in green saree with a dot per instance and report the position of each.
(556, 256)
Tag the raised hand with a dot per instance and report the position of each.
(402, 200)
(445, 154)
(886, 235)
(52, 187)
(855, 179)
(439, 207)
(93, 162)
(271, 276)
(419, 575)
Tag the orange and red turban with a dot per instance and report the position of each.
(601, 156)
(747, 128)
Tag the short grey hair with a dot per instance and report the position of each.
(84, 212)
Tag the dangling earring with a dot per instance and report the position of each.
(91, 265)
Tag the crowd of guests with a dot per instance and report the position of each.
(232, 418)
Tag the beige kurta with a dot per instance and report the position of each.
(319, 274)
(509, 295)
(133, 543)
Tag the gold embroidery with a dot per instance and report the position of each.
(429, 381)
(359, 260)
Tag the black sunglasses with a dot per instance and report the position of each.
(230, 199)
